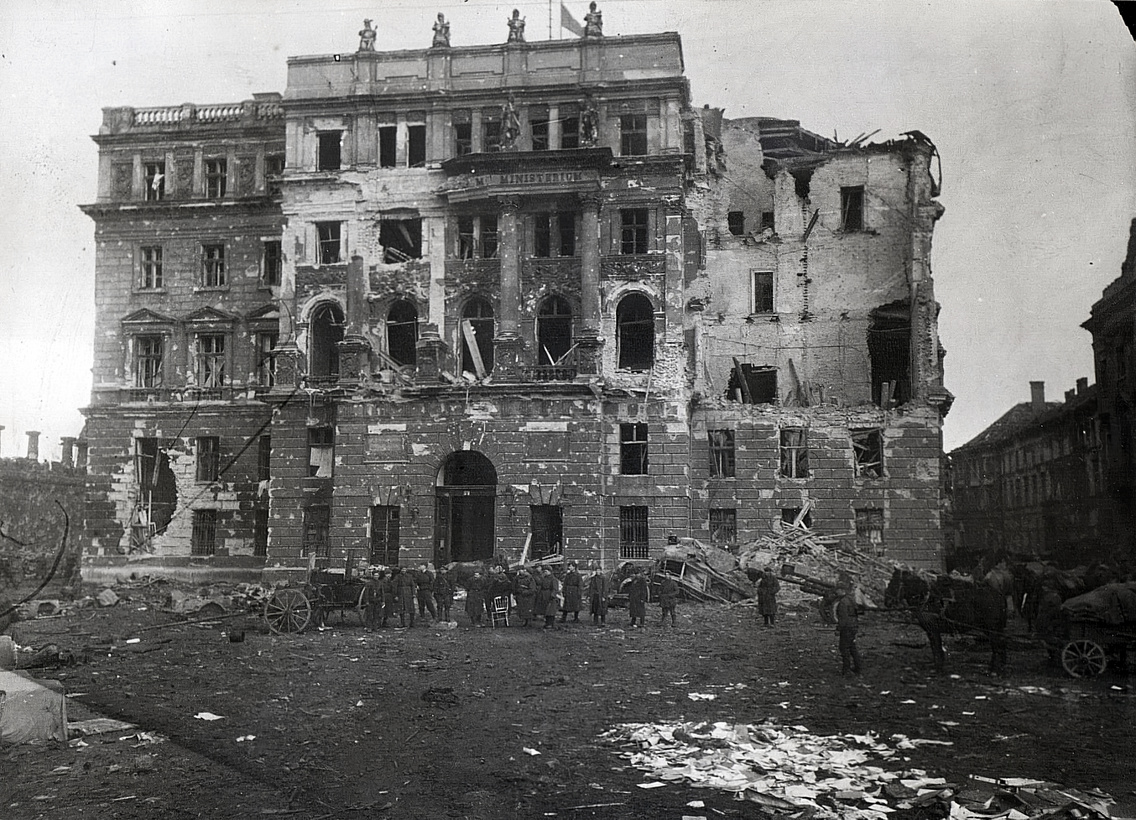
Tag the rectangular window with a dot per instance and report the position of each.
(208, 458)
(463, 133)
(736, 222)
(633, 134)
(321, 442)
(762, 291)
(546, 523)
(852, 208)
(870, 525)
(264, 458)
(150, 264)
(149, 352)
(768, 221)
(794, 516)
(273, 170)
(211, 361)
(271, 262)
(542, 235)
(868, 453)
(633, 230)
(794, 453)
(633, 537)
(489, 236)
(491, 132)
(329, 241)
(388, 146)
(467, 237)
(401, 240)
(384, 534)
(633, 449)
(266, 359)
(213, 274)
(154, 174)
(567, 229)
(216, 178)
(203, 540)
(416, 146)
(260, 533)
(317, 527)
(569, 126)
(723, 526)
(330, 150)
(721, 453)
(538, 127)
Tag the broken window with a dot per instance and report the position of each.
(402, 332)
(157, 490)
(150, 267)
(477, 322)
(317, 528)
(634, 541)
(768, 222)
(329, 150)
(491, 131)
(325, 335)
(554, 234)
(216, 178)
(401, 239)
(264, 458)
(330, 236)
(538, 126)
(889, 349)
(260, 532)
(868, 453)
(542, 235)
(273, 170)
(463, 133)
(566, 224)
(488, 236)
(154, 178)
(633, 448)
(797, 516)
(762, 291)
(569, 126)
(266, 359)
(416, 146)
(635, 332)
(384, 534)
(388, 146)
(208, 458)
(210, 360)
(321, 441)
(149, 352)
(467, 237)
(546, 524)
(271, 262)
(870, 525)
(203, 539)
(794, 453)
(721, 453)
(633, 231)
(723, 526)
(852, 208)
(632, 134)
(752, 384)
(553, 330)
(735, 220)
(213, 273)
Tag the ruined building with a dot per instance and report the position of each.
(446, 303)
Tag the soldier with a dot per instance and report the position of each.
(571, 586)
(598, 593)
(443, 593)
(475, 599)
(847, 622)
(425, 581)
(406, 592)
(637, 594)
(767, 588)
(524, 590)
(374, 600)
(668, 597)
(550, 594)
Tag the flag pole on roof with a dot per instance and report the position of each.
(567, 21)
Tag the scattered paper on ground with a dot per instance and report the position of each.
(208, 716)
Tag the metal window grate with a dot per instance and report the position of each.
(203, 540)
(633, 536)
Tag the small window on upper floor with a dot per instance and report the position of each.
(401, 239)
(633, 448)
(216, 178)
(416, 146)
(722, 455)
(794, 453)
(266, 359)
(208, 458)
(463, 133)
(213, 273)
(538, 127)
(634, 236)
(491, 132)
(388, 146)
(273, 170)
(852, 208)
(768, 221)
(762, 291)
(868, 453)
(155, 181)
(632, 134)
(402, 332)
(330, 241)
(635, 333)
(150, 267)
(149, 357)
(330, 149)
(569, 126)
(271, 262)
(736, 222)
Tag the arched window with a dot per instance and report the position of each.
(325, 333)
(479, 313)
(635, 332)
(553, 330)
(402, 332)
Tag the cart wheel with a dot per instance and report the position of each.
(288, 610)
(1084, 658)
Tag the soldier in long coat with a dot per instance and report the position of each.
(668, 597)
(767, 588)
(598, 593)
(377, 589)
(443, 593)
(571, 586)
(425, 581)
(406, 594)
(524, 590)
(550, 583)
(637, 594)
(475, 599)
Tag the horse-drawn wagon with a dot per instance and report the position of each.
(292, 608)
(1099, 628)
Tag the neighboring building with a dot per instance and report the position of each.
(1112, 323)
(1031, 484)
(530, 300)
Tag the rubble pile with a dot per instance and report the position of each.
(793, 773)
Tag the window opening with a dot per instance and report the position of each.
(273, 170)
(553, 330)
(489, 236)
(479, 314)
(735, 220)
(260, 533)
(149, 352)
(633, 231)
(157, 490)
(151, 273)
(208, 458)
(388, 146)
(467, 237)
(216, 178)
(722, 453)
(868, 452)
(566, 222)
(542, 235)
(723, 526)
(491, 132)
(401, 239)
(211, 361)
(752, 384)
(538, 125)
(326, 334)
(870, 525)
(889, 349)
(321, 441)
(330, 150)
(546, 523)
(264, 458)
(266, 359)
(402, 332)
(272, 262)
(633, 134)
(317, 528)
(768, 221)
(330, 236)
(384, 534)
(213, 273)
(634, 541)
(203, 540)
(635, 333)
(155, 181)
(463, 133)
(852, 208)
(790, 515)
(416, 146)
(633, 448)
(794, 453)
(762, 291)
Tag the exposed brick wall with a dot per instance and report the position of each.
(33, 523)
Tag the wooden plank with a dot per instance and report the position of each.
(747, 397)
(474, 351)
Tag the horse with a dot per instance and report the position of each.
(952, 605)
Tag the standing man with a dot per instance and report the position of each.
(406, 594)
(637, 594)
(767, 588)
(597, 590)
(668, 597)
(475, 599)
(425, 581)
(572, 594)
(443, 593)
(847, 622)
(524, 590)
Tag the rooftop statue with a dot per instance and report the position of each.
(367, 37)
(441, 33)
(593, 21)
(516, 28)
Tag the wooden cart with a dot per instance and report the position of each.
(1091, 646)
(293, 608)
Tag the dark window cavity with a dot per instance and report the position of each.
(721, 444)
(273, 170)
(791, 515)
(208, 458)
(868, 453)
(762, 291)
(491, 132)
(477, 322)
(213, 274)
(317, 528)
(330, 235)
(388, 146)
(723, 526)
(402, 332)
(211, 361)
(794, 453)
(330, 150)
(326, 332)
(157, 490)
(154, 178)
(870, 525)
(463, 133)
(271, 262)
(260, 533)
(546, 523)
(203, 539)
(852, 208)
(216, 178)
(149, 352)
(384, 534)
(635, 332)
(633, 231)
(416, 146)
(736, 222)
(553, 330)
(538, 125)
(266, 359)
(264, 458)
(401, 240)
(569, 126)
(321, 441)
(633, 448)
(633, 134)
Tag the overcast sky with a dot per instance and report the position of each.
(1031, 104)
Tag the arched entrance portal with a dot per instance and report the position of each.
(466, 494)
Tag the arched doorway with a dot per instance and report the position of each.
(466, 496)
(326, 332)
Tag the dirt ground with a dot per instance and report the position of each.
(333, 723)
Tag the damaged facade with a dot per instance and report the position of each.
(530, 300)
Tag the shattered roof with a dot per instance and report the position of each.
(1022, 417)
